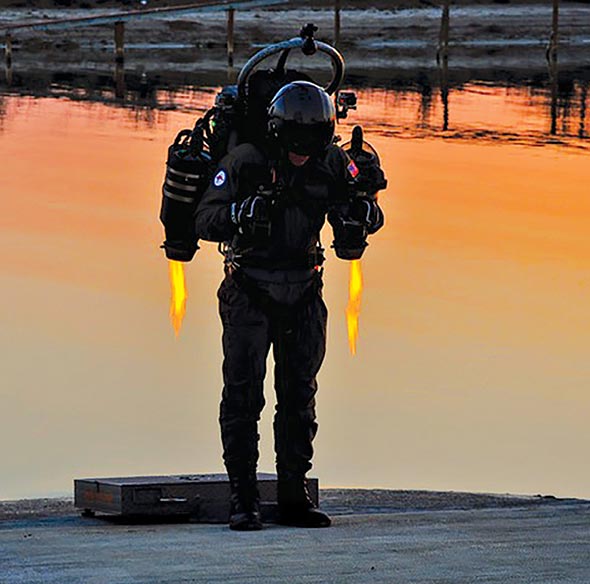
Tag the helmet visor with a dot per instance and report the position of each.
(306, 139)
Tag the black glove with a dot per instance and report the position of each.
(370, 178)
(350, 235)
(251, 216)
(365, 210)
(180, 250)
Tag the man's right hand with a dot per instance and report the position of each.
(251, 216)
(350, 234)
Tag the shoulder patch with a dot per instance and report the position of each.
(220, 178)
(352, 169)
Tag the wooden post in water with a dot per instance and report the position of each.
(119, 42)
(583, 98)
(230, 37)
(442, 58)
(119, 59)
(554, 31)
(8, 57)
(554, 74)
(8, 50)
(443, 37)
(552, 63)
(119, 80)
(336, 22)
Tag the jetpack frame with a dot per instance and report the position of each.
(308, 45)
(239, 112)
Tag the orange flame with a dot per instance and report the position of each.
(353, 310)
(178, 295)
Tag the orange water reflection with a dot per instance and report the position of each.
(471, 367)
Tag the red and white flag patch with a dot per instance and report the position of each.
(353, 169)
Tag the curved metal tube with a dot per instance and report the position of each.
(335, 56)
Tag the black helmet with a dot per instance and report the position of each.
(301, 116)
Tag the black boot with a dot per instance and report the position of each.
(296, 507)
(244, 512)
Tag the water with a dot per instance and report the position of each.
(471, 371)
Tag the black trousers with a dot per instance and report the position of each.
(252, 322)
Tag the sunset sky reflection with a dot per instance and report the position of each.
(471, 367)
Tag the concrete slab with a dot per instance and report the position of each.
(545, 543)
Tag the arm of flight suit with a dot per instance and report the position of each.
(338, 161)
(353, 215)
(232, 183)
(213, 220)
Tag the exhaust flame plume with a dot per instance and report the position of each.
(353, 310)
(178, 295)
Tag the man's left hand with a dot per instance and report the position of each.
(371, 178)
(367, 211)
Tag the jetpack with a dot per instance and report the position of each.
(238, 114)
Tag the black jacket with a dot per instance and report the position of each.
(299, 197)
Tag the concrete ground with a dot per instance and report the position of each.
(541, 541)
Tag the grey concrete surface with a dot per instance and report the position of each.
(540, 544)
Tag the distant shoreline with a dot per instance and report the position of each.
(345, 4)
(497, 40)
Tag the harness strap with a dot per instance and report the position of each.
(250, 286)
(312, 259)
(303, 262)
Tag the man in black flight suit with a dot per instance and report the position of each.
(268, 205)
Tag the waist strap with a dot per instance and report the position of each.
(302, 262)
